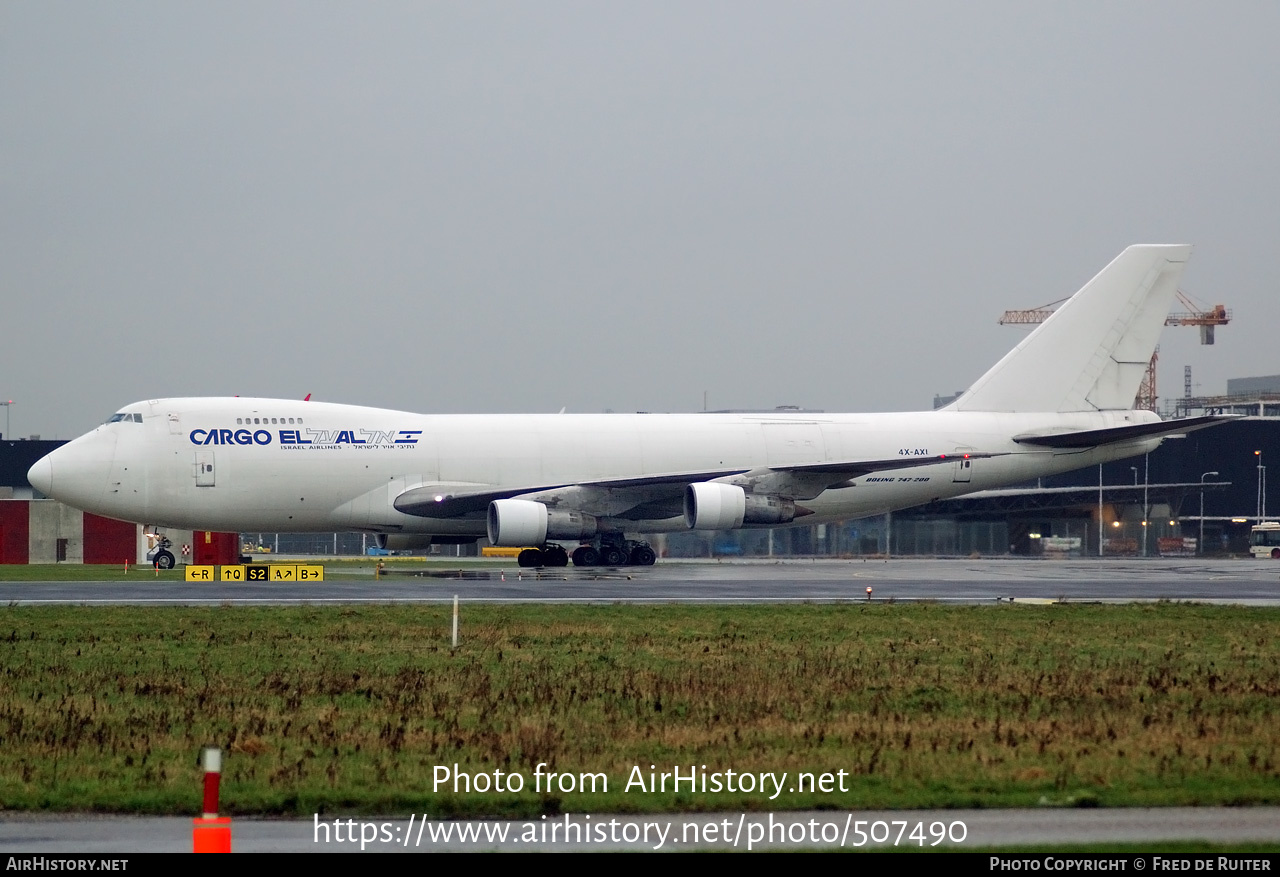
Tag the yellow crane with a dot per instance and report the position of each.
(1194, 315)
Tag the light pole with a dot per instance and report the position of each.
(1200, 544)
(1258, 454)
(1146, 504)
(6, 417)
(1100, 530)
(1135, 475)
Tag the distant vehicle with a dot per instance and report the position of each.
(1264, 540)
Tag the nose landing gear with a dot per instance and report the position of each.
(161, 556)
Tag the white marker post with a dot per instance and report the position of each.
(211, 758)
(455, 621)
(868, 593)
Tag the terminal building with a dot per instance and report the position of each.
(1197, 494)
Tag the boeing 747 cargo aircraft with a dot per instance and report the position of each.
(1060, 400)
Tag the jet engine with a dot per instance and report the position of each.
(516, 522)
(714, 506)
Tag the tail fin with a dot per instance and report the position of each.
(1092, 353)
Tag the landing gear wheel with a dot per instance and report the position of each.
(612, 555)
(1275, 553)
(555, 555)
(585, 555)
(642, 555)
(165, 560)
(530, 557)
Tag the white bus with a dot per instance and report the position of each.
(1264, 540)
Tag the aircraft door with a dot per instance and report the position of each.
(962, 468)
(204, 469)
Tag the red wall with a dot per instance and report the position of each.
(15, 519)
(109, 541)
(215, 549)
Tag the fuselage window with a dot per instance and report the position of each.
(273, 420)
(239, 421)
(291, 420)
(255, 420)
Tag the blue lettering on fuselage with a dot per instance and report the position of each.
(332, 437)
(230, 437)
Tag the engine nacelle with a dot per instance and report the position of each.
(513, 523)
(714, 506)
(769, 510)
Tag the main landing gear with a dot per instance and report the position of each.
(623, 553)
(550, 554)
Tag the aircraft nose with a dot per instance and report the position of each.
(83, 465)
(41, 475)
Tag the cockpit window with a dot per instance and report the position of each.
(126, 418)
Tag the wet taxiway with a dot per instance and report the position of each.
(1248, 582)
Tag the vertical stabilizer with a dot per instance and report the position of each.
(1091, 354)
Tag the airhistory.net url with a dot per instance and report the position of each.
(570, 830)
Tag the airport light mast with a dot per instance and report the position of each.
(1200, 544)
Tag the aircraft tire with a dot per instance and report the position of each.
(1275, 553)
(613, 556)
(530, 557)
(165, 560)
(642, 555)
(585, 555)
(555, 555)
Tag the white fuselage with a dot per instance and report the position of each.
(240, 464)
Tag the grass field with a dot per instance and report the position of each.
(350, 710)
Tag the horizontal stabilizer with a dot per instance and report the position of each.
(1091, 438)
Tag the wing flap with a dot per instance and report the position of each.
(858, 468)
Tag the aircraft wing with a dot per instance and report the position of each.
(448, 501)
(651, 496)
(1090, 438)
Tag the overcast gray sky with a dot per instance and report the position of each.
(472, 206)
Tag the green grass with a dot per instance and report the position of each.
(350, 709)
(81, 572)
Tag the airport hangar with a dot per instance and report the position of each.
(1060, 516)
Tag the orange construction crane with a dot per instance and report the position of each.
(1206, 319)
